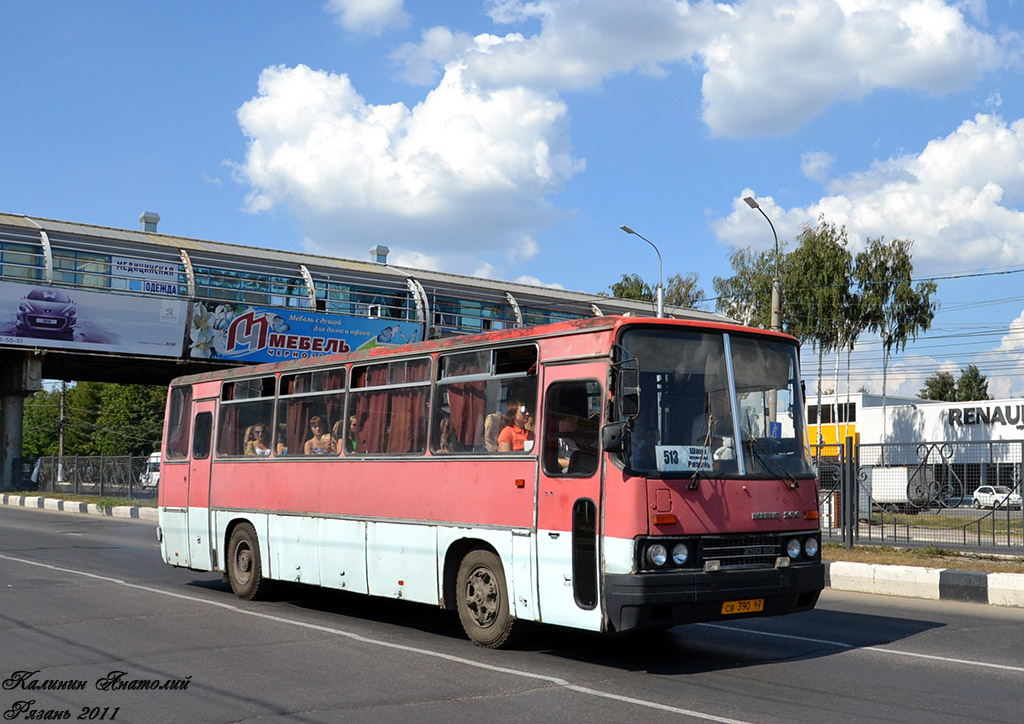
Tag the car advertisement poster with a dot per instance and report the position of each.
(266, 334)
(39, 315)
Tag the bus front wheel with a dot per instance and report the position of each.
(245, 569)
(482, 600)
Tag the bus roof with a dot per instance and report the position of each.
(569, 327)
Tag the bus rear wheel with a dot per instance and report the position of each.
(482, 600)
(245, 569)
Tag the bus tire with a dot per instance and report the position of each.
(482, 600)
(245, 569)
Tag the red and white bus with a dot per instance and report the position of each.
(629, 503)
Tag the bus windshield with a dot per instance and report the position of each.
(701, 391)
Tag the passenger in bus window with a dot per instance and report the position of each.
(320, 442)
(517, 435)
(337, 435)
(260, 444)
(282, 440)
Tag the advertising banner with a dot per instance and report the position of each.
(140, 275)
(38, 315)
(267, 334)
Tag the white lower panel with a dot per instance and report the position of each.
(174, 546)
(401, 561)
(618, 555)
(554, 582)
(293, 549)
(341, 548)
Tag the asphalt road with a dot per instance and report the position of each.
(83, 598)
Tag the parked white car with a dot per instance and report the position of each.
(989, 496)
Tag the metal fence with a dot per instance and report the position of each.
(955, 495)
(104, 476)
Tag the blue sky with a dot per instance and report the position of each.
(511, 139)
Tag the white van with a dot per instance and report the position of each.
(150, 477)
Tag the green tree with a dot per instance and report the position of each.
(892, 305)
(746, 296)
(972, 385)
(818, 276)
(130, 420)
(680, 290)
(632, 286)
(40, 422)
(939, 386)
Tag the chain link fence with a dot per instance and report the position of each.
(103, 476)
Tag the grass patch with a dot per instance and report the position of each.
(929, 557)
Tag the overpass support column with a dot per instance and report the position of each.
(20, 375)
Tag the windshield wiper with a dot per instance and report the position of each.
(761, 454)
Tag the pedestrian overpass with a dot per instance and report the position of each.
(83, 302)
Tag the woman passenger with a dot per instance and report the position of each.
(260, 442)
(517, 435)
(320, 442)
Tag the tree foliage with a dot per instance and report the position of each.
(101, 419)
(939, 386)
(746, 296)
(681, 290)
(971, 385)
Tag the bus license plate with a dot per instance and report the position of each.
(749, 605)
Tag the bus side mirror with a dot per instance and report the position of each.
(613, 437)
(629, 392)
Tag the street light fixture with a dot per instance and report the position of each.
(776, 324)
(660, 291)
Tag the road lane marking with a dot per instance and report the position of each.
(877, 649)
(562, 683)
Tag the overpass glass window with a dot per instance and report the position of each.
(81, 268)
(20, 261)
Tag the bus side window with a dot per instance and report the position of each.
(571, 422)
(202, 432)
(177, 422)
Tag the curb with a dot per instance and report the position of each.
(937, 584)
(127, 512)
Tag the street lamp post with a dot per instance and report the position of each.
(776, 324)
(660, 291)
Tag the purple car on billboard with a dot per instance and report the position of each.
(47, 310)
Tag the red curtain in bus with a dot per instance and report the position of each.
(407, 430)
(467, 403)
(371, 410)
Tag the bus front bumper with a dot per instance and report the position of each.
(635, 601)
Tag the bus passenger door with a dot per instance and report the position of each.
(569, 496)
(198, 516)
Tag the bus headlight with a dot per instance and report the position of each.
(657, 555)
(680, 554)
(811, 546)
(793, 548)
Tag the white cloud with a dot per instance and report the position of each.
(958, 200)
(422, 63)
(467, 174)
(463, 173)
(368, 16)
(817, 165)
